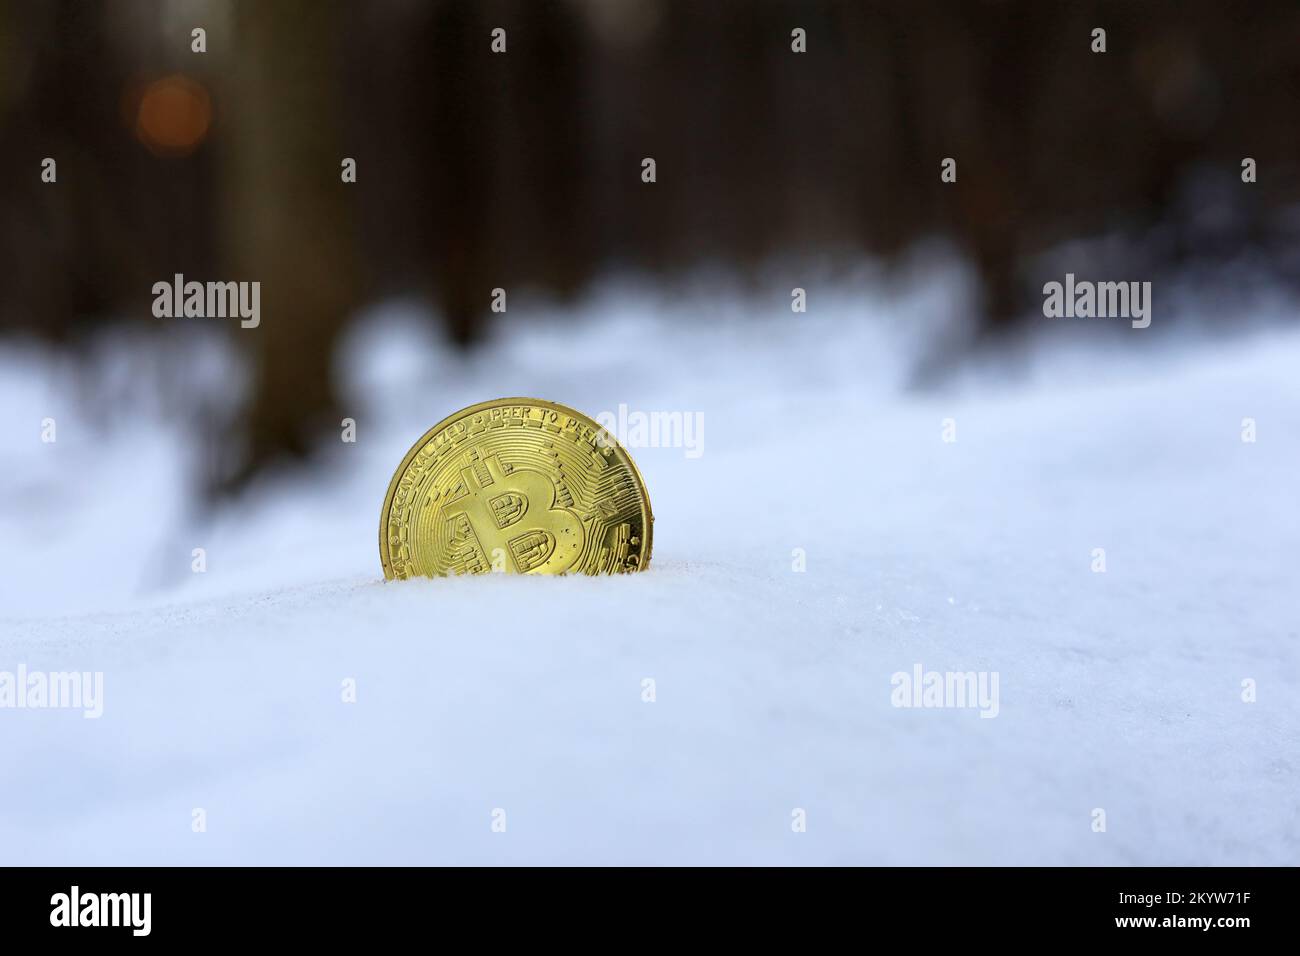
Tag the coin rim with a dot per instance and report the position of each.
(384, 558)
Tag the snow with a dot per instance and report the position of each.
(1119, 690)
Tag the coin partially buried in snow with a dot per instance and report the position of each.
(519, 485)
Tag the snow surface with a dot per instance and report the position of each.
(1119, 690)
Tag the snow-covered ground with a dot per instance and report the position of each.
(1119, 691)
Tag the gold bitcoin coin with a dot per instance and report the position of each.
(518, 485)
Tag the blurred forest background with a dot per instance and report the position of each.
(478, 170)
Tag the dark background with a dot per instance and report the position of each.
(523, 170)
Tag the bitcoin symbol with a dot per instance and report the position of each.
(496, 505)
(519, 485)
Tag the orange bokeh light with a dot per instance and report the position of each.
(174, 116)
